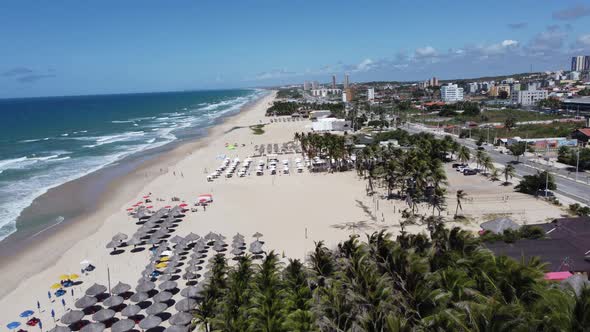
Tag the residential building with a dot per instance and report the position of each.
(315, 85)
(346, 78)
(348, 95)
(473, 87)
(306, 86)
(451, 93)
(333, 81)
(528, 97)
(434, 81)
(573, 76)
(578, 63)
(371, 94)
(324, 92)
(330, 124)
(582, 135)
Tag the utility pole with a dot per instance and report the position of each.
(577, 162)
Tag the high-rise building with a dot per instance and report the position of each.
(587, 63)
(333, 81)
(348, 95)
(578, 63)
(370, 94)
(473, 87)
(306, 86)
(315, 84)
(434, 81)
(346, 78)
(451, 93)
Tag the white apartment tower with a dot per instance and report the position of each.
(451, 93)
(371, 94)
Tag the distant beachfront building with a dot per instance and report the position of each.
(451, 93)
(324, 92)
(333, 81)
(330, 124)
(528, 97)
(573, 76)
(371, 94)
(434, 81)
(315, 85)
(580, 63)
(473, 87)
(306, 86)
(346, 82)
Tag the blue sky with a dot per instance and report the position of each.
(68, 47)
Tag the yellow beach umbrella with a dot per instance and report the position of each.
(161, 265)
(64, 277)
(74, 276)
(164, 259)
(55, 286)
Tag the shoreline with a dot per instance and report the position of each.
(138, 172)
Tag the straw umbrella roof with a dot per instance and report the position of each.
(72, 317)
(93, 327)
(162, 296)
(131, 310)
(167, 285)
(113, 244)
(256, 247)
(185, 304)
(181, 318)
(164, 277)
(176, 328)
(85, 302)
(113, 301)
(120, 237)
(134, 241)
(145, 286)
(191, 237)
(498, 226)
(149, 322)
(120, 288)
(191, 291)
(237, 251)
(103, 315)
(139, 297)
(176, 239)
(257, 235)
(123, 325)
(211, 236)
(156, 308)
(60, 329)
(95, 290)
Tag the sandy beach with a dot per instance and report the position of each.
(291, 211)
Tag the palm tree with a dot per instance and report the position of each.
(464, 155)
(487, 163)
(495, 175)
(460, 196)
(509, 173)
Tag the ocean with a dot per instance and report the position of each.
(45, 142)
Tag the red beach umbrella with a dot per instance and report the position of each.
(167, 207)
(183, 205)
(149, 207)
(146, 196)
(130, 209)
(139, 203)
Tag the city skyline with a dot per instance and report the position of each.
(109, 47)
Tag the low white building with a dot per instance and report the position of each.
(451, 93)
(528, 97)
(314, 115)
(324, 92)
(330, 124)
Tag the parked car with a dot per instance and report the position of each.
(458, 165)
(541, 192)
(469, 171)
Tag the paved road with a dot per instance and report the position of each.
(565, 186)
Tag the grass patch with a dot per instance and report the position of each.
(257, 129)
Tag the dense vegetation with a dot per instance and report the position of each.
(470, 109)
(289, 94)
(570, 156)
(531, 184)
(326, 146)
(288, 108)
(555, 129)
(441, 281)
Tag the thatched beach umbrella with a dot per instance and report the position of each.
(85, 302)
(139, 297)
(60, 329)
(156, 308)
(120, 288)
(123, 325)
(257, 235)
(134, 241)
(210, 237)
(237, 252)
(72, 317)
(256, 247)
(150, 322)
(145, 286)
(190, 291)
(181, 318)
(103, 315)
(113, 301)
(176, 328)
(93, 327)
(119, 237)
(167, 285)
(164, 277)
(95, 290)
(131, 310)
(192, 237)
(112, 244)
(186, 304)
(162, 296)
(175, 239)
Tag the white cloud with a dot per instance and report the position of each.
(583, 41)
(425, 52)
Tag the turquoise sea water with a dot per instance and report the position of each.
(45, 142)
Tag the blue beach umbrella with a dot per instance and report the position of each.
(38, 305)
(26, 313)
(40, 325)
(13, 325)
(49, 295)
(63, 302)
(52, 313)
